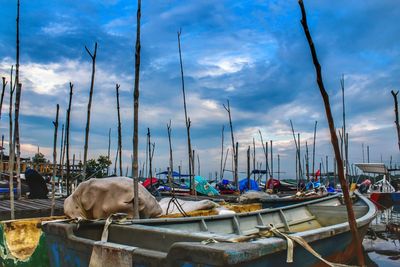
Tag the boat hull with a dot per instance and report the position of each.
(179, 242)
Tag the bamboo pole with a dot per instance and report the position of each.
(71, 87)
(119, 130)
(17, 145)
(226, 157)
(307, 164)
(279, 167)
(272, 162)
(109, 150)
(248, 168)
(11, 152)
(222, 152)
(61, 146)
(198, 165)
(87, 129)
(1, 108)
(171, 161)
(187, 120)
(254, 159)
(396, 113)
(325, 97)
(313, 153)
(235, 153)
(53, 203)
(150, 161)
(135, 167)
(236, 164)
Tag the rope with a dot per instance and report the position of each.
(299, 240)
(178, 206)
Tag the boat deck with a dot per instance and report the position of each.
(30, 208)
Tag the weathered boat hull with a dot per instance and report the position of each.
(180, 242)
(22, 243)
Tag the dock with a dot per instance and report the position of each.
(30, 208)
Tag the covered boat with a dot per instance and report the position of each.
(222, 240)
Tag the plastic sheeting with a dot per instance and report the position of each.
(99, 198)
(173, 207)
(204, 188)
(243, 185)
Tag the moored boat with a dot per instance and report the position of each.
(222, 240)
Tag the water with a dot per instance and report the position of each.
(382, 245)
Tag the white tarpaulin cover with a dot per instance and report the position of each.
(99, 198)
(185, 205)
(379, 168)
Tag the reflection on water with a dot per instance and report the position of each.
(382, 244)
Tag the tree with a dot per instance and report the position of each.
(97, 168)
(39, 158)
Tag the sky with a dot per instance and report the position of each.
(252, 53)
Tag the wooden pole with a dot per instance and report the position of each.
(17, 144)
(150, 163)
(17, 105)
(265, 149)
(334, 139)
(254, 159)
(85, 152)
(313, 153)
(53, 203)
(109, 150)
(396, 113)
(71, 87)
(61, 147)
(171, 161)
(1, 156)
(222, 152)
(1, 108)
(297, 144)
(135, 166)
(368, 154)
(307, 163)
(272, 162)
(198, 165)
(248, 168)
(119, 130)
(11, 152)
(235, 173)
(226, 157)
(187, 120)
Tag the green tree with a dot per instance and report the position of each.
(97, 168)
(39, 158)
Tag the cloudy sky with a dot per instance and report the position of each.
(253, 53)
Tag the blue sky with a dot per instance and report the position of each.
(253, 53)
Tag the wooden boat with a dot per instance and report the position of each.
(22, 242)
(222, 240)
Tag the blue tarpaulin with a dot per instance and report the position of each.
(243, 185)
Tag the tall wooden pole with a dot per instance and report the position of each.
(313, 152)
(226, 157)
(61, 146)
(222, 151)
(235, 154)
(16, 138)
(109, 150)
(119, 130)
(71, 87)
(279, 167)
(334, 139)
(171, 161)
(236, 168)
(150, 163)
(2, 137)
(307, 163)
(53, 203)
(187, 120)
(272, 162)
(85, 152)
(396, 113)
(135, 166)
(17, 104)
(248, 168)
(254, 159)
(11, 147)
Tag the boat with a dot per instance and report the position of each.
(281, 199)
(382, 192)
(222, 240)
(22, 242)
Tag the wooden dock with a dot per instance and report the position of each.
(30, 208)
